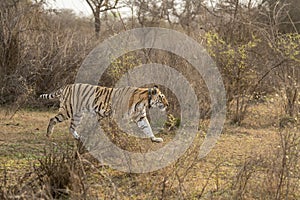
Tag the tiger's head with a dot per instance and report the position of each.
(157, 99)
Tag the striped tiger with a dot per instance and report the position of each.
(75, 99)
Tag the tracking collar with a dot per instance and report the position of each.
(151, 91)
(149, 97)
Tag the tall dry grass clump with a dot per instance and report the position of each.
(273, 174)
(58, 174)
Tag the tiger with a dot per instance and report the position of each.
(75, 99)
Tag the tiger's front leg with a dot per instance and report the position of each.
(144, 125)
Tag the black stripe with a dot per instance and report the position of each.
(72, 125)
(66, 92)
(136, 104)
(101, 91)
(57, 119)
(100, 108)
(86, 93)
(149, 97)
(78, 96)
(68, 114)
(105, 91)
(104, 94)
(71, 99)
(90, 102)
(71, 110)
(98, 94)
(65, 98)
(141, 118)
(83, 93)
(108, 96)
(144, 91)
(136, 91)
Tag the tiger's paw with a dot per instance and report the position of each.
(156, 139)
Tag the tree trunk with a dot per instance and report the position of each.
(97, 22)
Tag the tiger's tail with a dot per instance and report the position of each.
(52, 95)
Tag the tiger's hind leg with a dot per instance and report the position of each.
(60, 117)
(75, 121)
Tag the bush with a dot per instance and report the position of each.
(59, 174)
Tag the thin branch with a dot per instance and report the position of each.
(292, 22)
(266, 74)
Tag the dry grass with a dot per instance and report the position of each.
(23, 140)
(241, 152)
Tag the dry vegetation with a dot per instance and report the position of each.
(258, 160)
(255, 45)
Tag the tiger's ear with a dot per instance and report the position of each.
(154, 91)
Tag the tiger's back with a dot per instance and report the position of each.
(77, 98)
